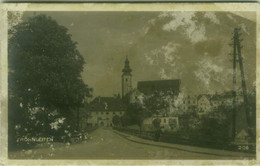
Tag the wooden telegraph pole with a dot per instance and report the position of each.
(234, 86)
(237, 57)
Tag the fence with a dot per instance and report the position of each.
(192, 139)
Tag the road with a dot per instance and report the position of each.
(109, 144)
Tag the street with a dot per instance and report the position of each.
(109, 144)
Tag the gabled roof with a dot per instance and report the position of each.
(148, 87)
(107, 104)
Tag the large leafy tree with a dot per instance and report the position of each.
(44, 70)
(157, 103)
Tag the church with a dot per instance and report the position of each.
(147, 87)
(103, 109)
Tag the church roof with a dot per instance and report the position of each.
(148, 87)
(107, 104)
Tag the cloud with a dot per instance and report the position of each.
(148, 26)
(243, 27)
(163, 74)
(231, 17)
(212, 16)
(211, 70)
(149, 59)
(187, 21)
(196, 33)
(166, 58)
(165, 55)
(170, 52)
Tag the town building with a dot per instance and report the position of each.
(188, 102)
(169, 124)
(103, 109)
(207, 102)
(164, 86)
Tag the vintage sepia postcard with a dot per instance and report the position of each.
(130, 84)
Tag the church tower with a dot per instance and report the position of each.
(126, 78)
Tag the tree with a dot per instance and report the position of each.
(156, 123)
(154, 104)
(116, 120)
(158, 103)
(135, 114)
(44, 72)
(215, 126)
(14, 18)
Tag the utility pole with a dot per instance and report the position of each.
(240, 60)
(237, 57)
(234, 88)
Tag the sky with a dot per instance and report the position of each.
(190, 46)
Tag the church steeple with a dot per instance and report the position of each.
(126, 78)
(127, 70)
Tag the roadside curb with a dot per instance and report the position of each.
(183, 147)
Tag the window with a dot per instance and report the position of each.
(164, 120)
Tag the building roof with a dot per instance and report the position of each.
(148, 87)
(107, 104)
(216, 96)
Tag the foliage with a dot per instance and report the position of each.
(156, 123)
(189, 122)
(159, 102)
(45, 84)
(116, 120)
(146, 106)
(135, 114)
(14, 18)
(216, 125)
(213, 126)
